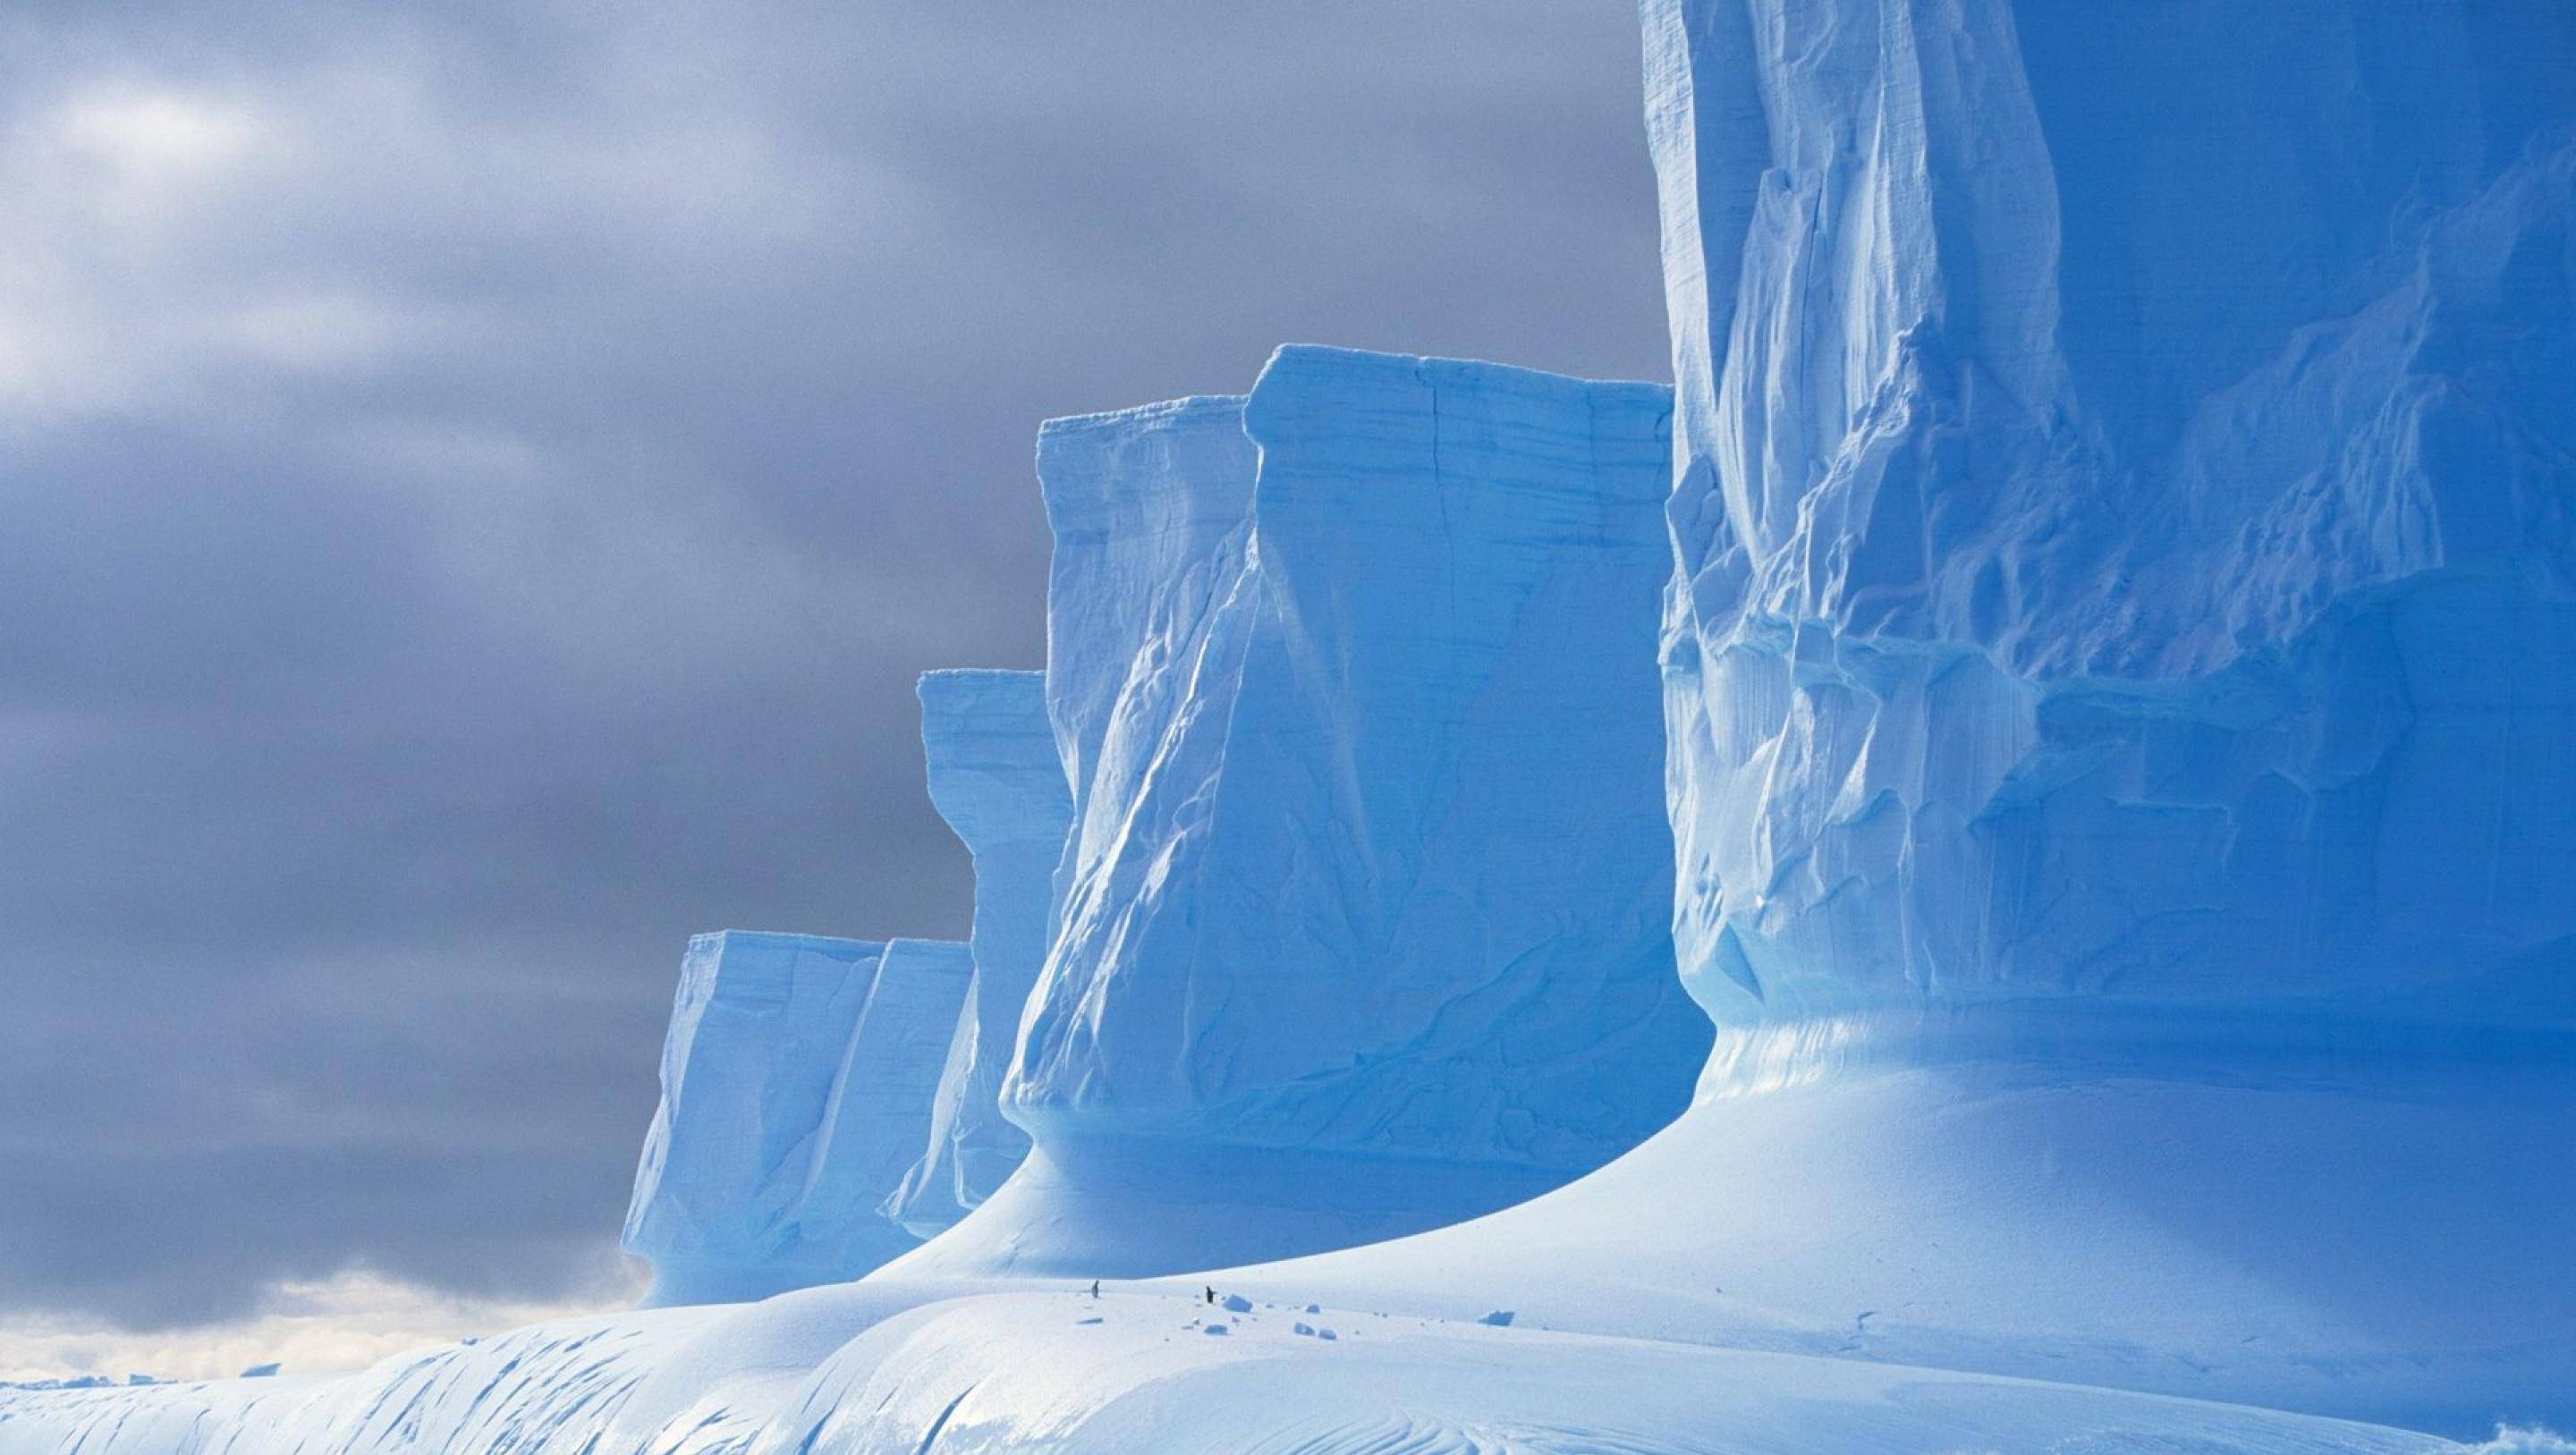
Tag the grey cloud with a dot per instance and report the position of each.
(476, 487)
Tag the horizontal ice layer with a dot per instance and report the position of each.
(1363, 919)
(2124, 507)
(995, 777)
(796, 1087)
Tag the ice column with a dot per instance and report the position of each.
(996, 779)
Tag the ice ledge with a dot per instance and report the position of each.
(2309, 1043)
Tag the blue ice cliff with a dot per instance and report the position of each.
(995, 777)
(1363, 926)
(2123, 505)
(797, 1084)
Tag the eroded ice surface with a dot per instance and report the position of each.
(996, 778)
(1363, 918)
(796, 1089)
(2124, 504)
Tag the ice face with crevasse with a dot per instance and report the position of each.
(797, 1080)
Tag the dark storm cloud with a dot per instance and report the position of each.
(476, 488)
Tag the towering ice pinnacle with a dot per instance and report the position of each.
(1363, 925)
(996, 779)
(2124, 504)
(796, 1088)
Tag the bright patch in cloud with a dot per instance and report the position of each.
(346, 1322)
(143, 131)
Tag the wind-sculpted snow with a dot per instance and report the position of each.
(994, 775)
(872, 1369)
(796, 1090)
(2124, 504)
(1363, 925)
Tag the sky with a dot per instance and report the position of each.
(477, 485)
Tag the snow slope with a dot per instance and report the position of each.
(905, 1369)
(2240, 1234)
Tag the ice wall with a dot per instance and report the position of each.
(1364, 912)
(996, 779)
(796, 1088)
(2123, 502)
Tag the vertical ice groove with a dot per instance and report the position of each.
(883, 1103)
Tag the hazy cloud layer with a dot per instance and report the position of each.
(475, 491)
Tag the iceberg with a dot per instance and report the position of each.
(2121, 674)
(996, 779)
(796, 1088)
(1989, 871)
(1363, 917)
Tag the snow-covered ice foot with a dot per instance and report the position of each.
(907, 1368)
